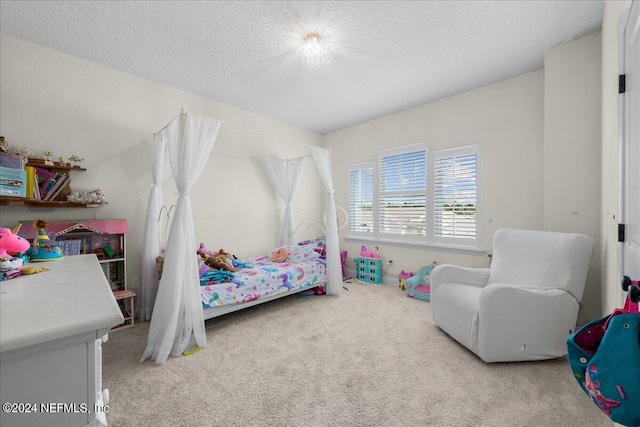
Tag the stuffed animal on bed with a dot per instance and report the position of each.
(203, 250)
(218, 262)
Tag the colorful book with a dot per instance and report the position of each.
(36, 190)
(60, 183)
(43, 177)
(31, 176)
(52, 182)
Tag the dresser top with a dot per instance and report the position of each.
(73, 297)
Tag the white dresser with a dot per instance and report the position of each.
(51, 330)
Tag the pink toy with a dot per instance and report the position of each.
(405, 274)
(366, 253)
(11, 242)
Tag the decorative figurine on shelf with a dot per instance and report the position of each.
(97, 196)
(4, 145)
(74, 197)
(10, 242)
(76, 160)
(43, 249)
(47, 154)
(24, 153)
(94, 196)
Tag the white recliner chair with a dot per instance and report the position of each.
(525, 305)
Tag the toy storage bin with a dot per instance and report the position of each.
(13, 182)
(368, 270)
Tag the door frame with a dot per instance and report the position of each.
(623, 132)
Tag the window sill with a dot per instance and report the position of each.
(436, 247)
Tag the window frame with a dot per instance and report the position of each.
(429, 240)
(457, 241)
(422, 146)
(360, 166)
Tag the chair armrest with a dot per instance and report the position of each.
(447, 273)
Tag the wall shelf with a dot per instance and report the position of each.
(35, 203)
(60, 198)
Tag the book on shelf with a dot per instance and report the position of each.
(43, 176)
(31, 176)
(60, 183)
(50, 185)
(36, 190)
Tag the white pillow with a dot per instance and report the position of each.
(301, 253)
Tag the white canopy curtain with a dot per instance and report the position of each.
(160, 171)
(285, 175)
(178, 310)
(322, 162)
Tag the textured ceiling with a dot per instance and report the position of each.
(386, 56)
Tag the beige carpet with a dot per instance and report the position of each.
(371, 357)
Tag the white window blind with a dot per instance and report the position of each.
(361, 199)
(456, 194)
(412, 195)
(402, 191)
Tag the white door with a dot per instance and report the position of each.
(630, 188)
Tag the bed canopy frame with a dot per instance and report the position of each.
(181, 150)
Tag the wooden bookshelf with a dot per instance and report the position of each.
(35, 203)
(60, 200)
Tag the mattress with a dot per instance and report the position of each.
(265, 279)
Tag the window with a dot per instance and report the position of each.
(361, 198)
(416, 196)
(455, 188)
(403, 191)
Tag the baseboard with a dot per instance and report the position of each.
(387, 279)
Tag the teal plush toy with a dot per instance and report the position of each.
(419, 286)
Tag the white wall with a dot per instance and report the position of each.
(50, 100)
(572, 151)
(505, 117)
(540, 160)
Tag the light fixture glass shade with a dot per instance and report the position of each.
(315, 53)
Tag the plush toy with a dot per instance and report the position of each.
(419, 286)
(279, 254)
(221, 261)
(11, 242)
(218, 263)
(14, 243)
(226, 256)
(367, 253)
(203, 250)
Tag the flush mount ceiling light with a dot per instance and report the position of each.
(315, 53)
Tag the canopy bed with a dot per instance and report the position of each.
(175, 304)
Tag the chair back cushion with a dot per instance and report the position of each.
(542, 259)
